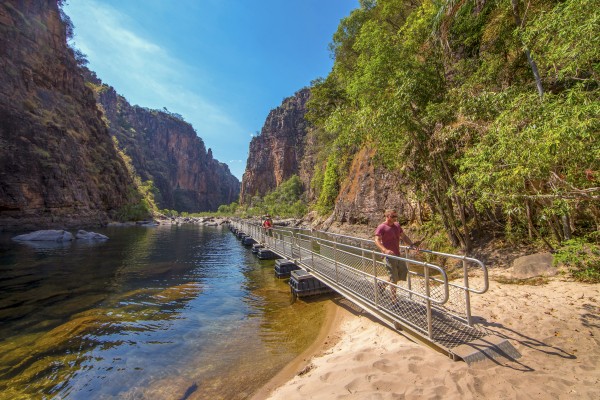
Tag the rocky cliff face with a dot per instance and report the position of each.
(288, 146)
(276, 154)
(58, 164)
(368, 190)
(165, 149)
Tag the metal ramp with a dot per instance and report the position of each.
(426, 307)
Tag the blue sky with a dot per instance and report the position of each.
(221, 64)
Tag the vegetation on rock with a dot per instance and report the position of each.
(490, 109)
(287, 200)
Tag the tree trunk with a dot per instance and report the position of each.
(476, 218)
(566, 225)
(453, 225)
(463, 220)
(554, 230)
(530, 227)
(543, 239)
(530, 60)
(445, 219)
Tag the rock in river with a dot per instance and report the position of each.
(50, 235)
(85, 235)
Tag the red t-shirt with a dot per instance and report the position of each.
(390, 236)
(267, 224)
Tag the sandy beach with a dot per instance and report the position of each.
(555, 326)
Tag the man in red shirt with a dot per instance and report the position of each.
(387, 238)
(267, 224)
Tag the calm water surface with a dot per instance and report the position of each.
(153, 313)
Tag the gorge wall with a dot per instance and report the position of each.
(58, 164)
(165, 149)
(288, 146)
(368, 190)
(276, 154)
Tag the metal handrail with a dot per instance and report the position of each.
(355, 267)
(441, 254)
(463, 258)
(409, 260)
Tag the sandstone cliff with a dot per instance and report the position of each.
(288, 146)
(165, 149)
(58, 164)
(368, 190)
(276, 154)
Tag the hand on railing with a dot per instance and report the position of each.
(414, 247)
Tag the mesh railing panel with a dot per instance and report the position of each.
(353, 266)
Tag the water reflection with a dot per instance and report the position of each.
(150, 313)
(47, 246)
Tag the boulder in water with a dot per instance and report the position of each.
(85, 235)
(49, 235)
(147, 223)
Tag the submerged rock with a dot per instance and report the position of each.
(120, 224)
(50, 235)
(147, 223)
(84, 235)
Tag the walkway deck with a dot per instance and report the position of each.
(427, 307)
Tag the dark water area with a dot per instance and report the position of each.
(180, 312)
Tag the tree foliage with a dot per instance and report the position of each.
(287, 200)
(449, 93)
(141, 204)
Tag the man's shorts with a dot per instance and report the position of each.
(397, 269)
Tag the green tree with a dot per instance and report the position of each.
(445, 94)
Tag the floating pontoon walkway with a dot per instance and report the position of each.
(426, 307)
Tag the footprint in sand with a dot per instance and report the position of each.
(325, 377)
(353, 385)
(383, 365)
(413, 368)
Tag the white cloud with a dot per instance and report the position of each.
(144, 72)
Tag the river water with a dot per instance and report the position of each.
(179, 312)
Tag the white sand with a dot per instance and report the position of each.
(556, 328)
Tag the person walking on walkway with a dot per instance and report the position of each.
(268, 225)
(387, 238)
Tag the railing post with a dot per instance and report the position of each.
(362, 255)
(408, 282)
(271, 238)
(337, 279)
(283, 243)
(293, 243)
(428, 301)
(375, 283)
(467, 293)
(312, 248)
